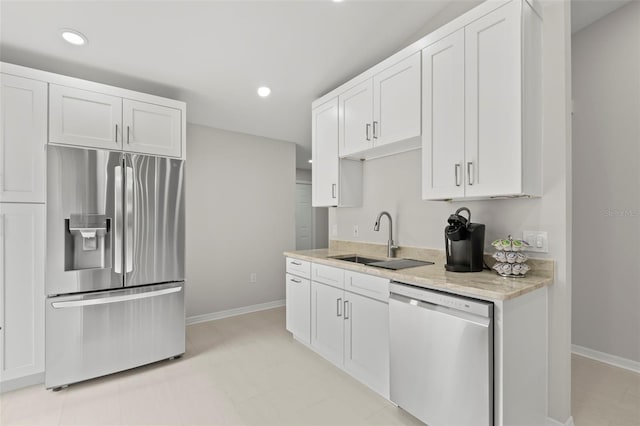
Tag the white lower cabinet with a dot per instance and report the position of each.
(298, 297)
(366, 341)
(22, 293)
(352, 331)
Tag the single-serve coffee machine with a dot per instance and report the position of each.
(464, 243)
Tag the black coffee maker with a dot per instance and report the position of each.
(464, 242)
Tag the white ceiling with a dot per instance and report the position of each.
(215, 54)
(586, 12)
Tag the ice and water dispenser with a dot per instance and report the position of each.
(87, 242)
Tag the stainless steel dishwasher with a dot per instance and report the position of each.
(441, 356)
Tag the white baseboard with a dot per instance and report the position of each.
(554, 422)
(234, 312)
(614, 360)
(22, 382)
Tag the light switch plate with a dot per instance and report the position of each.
(538, 241)
(334, 231)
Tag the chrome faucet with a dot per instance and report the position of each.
(391, 248)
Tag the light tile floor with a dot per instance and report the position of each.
(247, 370)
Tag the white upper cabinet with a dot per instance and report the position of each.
(356, 119)
(151, 129)
(90, 118)
(382, 110)
(335, 182)
(396, 102)
(481, 108)
(493, 104)
(443, 118)
(22, 289)
(85, 118)
(23, 137)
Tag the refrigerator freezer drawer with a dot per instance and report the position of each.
(95, 334)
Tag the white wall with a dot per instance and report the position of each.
(393, 184)
(240, 217)
(606, 175)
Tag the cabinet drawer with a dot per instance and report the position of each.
(327, 275)
(298, 267)
(367, 285)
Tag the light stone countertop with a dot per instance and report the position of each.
(486, 285)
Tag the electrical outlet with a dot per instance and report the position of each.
(253, 278)
(538, 241)
(355, 230)
(334, 230)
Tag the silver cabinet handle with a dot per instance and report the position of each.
(128, 219)
(339, 307)
(368, 131)
(375, 130)
(458, 166)
(346, 309)
(295, 281)
(470, 172)
(333, 190)
(128, 138)
(117, 221)
(116, 133)
(296, 263)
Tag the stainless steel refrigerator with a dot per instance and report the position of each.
(115, 262)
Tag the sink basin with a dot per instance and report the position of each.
(396, 264)
(357, 259)
(393, 264)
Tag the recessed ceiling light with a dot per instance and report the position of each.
(337, 1)
(264, 91)
(73, 37)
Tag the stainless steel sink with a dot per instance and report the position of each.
(394, 264)
(357, 259)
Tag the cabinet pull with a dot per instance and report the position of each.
(375, 130)
(346, 309)
(295, 281)
(116, 133)
(333, 190)
(458, 166)
(469, 172)
(368, 131)
(339, 307)
(128, 135)
(296, 263)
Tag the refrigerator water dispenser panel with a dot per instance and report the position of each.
(87, 242)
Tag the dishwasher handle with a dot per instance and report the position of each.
(465, 316)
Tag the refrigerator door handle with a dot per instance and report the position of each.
(128, 219)
(117, 222)
(114, 299)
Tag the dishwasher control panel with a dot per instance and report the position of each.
(461, 303)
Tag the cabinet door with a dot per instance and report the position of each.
(151, 129)
(443, 118)
(493, 103)
(327, 328)
(324, 138)
(84, 118)
(396, 102)
(23, 137)
(21, 290)
(356, 119)
(366, 341)
(298, 297)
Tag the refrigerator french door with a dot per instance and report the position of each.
(115, 262)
